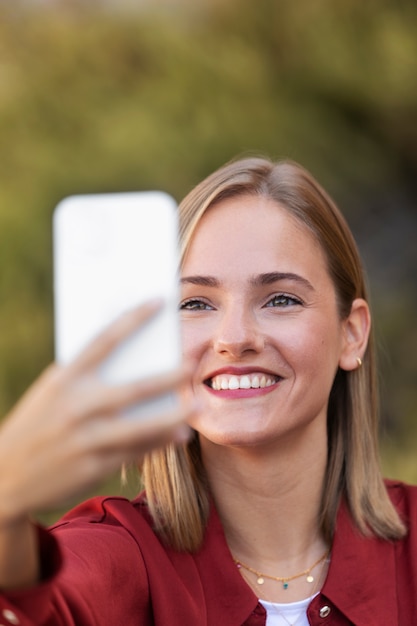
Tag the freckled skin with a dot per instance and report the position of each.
(289, 327)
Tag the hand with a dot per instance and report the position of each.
(67, 432)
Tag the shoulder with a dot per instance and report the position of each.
(404, 498)
(106, 510)
(103, 526)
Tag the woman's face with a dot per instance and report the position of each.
(260, 323)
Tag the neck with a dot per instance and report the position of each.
(269, 502)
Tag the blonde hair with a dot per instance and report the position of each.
(174, 478)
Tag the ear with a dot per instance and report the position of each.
(357, 327)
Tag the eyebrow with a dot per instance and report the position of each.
(259, 280)
(275, 277)
(203, 281)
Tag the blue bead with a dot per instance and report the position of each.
(285, 585)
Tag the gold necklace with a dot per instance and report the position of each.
(285, 580)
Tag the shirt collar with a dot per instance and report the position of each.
(361, 575)
(359, 581)
(226, 592)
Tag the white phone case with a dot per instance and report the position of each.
(111, 253)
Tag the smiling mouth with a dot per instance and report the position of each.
(224, 382)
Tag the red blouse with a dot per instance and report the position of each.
(104, 566)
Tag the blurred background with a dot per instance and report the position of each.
(115, 95)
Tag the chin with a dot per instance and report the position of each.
(234, 439)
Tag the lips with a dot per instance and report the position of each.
(252, 380)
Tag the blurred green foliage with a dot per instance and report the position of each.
(98, 99)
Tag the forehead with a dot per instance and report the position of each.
(253, 229)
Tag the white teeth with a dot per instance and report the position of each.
(245, 382)
(234, 382)
(248, 381)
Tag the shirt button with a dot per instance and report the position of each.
(324, 611)
(10, 616)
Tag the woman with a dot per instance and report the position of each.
(274, 511)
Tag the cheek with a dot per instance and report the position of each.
(194, 340)
(315, 347)
(190, 353)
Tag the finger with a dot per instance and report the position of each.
(179, 435)
(114, 399)
(93, 397)
(138, 434)
(109, 339)
(93, 468)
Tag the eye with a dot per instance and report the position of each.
(194, 304)
(283, 300)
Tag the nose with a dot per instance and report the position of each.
(238, 334)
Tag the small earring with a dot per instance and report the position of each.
(359, 361)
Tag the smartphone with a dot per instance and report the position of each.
(111, 253)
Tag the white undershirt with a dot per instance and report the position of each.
(288, 613)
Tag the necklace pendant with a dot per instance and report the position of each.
(260, 580)
(310, 578)
(285, 585)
